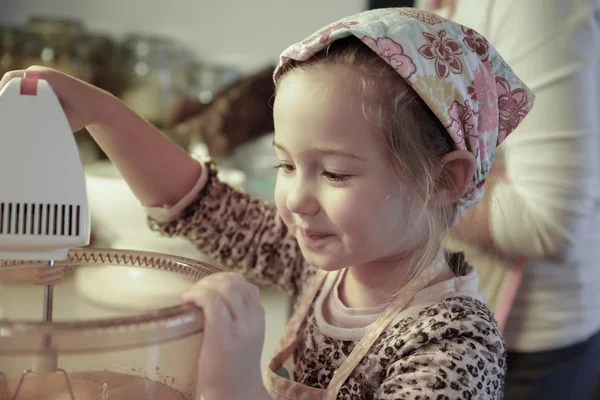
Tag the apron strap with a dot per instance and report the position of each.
(293, 325)
(289, 338)
(362, 348)
(287, 341)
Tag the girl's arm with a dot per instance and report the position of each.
(157, 170)
(241, 233)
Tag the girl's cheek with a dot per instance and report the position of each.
(280, 196)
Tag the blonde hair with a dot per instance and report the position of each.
(414, 135)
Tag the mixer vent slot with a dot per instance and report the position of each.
(40, 219)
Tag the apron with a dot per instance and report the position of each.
(281, 388)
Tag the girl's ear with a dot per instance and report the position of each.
(456, 172)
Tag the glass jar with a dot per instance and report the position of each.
(155, 76)
(206, 81)
(104, 57)
(11, 48)
(95, 349)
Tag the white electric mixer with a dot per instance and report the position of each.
(43, 203)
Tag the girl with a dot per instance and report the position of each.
(386, 125)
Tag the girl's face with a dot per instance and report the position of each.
(336, 190)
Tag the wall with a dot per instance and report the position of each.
(244, 33)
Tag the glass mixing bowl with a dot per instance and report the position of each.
(98, 350)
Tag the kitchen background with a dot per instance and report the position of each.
(201, 71)
(247, 34)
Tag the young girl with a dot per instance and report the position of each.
(386, 123)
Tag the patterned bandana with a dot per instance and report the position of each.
(454, 69)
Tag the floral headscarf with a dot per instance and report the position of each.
(454, 69)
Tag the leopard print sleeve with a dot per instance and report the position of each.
(241, 233)
(453, 354)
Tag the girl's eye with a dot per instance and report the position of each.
(287, 168)
(331, 176)
(334, 177)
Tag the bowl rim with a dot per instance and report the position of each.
(162, 324)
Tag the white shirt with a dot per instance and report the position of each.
(549, 211)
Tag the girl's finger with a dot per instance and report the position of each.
(251, 296)
(10, 75)
(216, 310)
(234, 290)
(187, 296)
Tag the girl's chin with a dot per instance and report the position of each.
(328, 265)
(330, 268)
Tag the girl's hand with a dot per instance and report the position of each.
(83, 103)
(234, 333)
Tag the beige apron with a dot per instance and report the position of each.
(285, 389)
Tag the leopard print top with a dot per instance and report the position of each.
(450, 350)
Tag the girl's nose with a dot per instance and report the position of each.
(301, 199)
